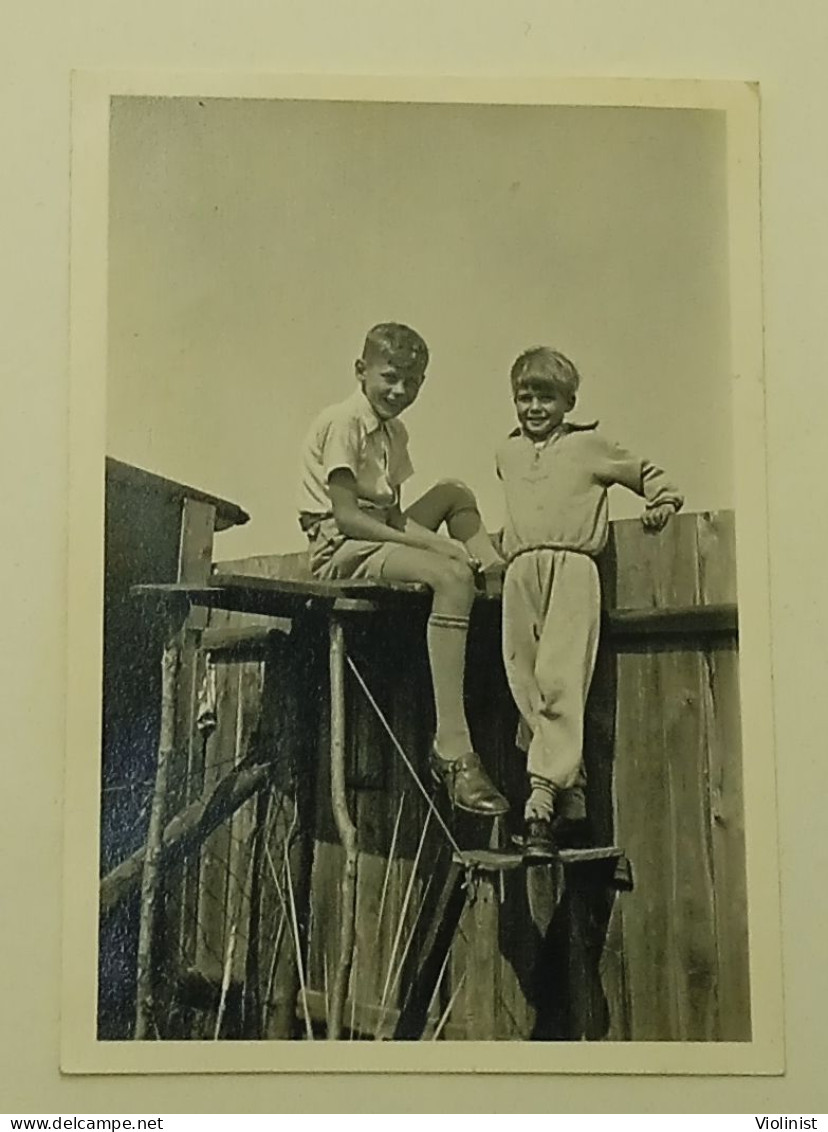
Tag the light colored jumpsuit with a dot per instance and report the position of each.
(556, 523)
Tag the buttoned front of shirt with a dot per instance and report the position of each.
(350, 435)
(552, 495)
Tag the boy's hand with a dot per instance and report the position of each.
(453, 548)
(656, 518)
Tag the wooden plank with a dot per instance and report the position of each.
(717, 561)
(380, 813)
(324, 934)
(121, 475)
(195, 548)
(367, 983)
(195, 740)
(677, 622)
(408, 702)
(220, 756)
(517, 944)
(717, 556)
(181, 880)
(313, 587)
(728, 843)
(146, 1021)
(288, 566)
(345, 829)
(691, 908)
(678, 580)
(481, 926)
(670, 695)
(648, 566)
(252, 1021)
(436, 945)
(613, 973)
(641, 805)
(243, 643)
(643, 827)
(242, 824)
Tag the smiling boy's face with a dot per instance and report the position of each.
(541, 405)
(389, 385)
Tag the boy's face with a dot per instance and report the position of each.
(541, 406)
(389, 386)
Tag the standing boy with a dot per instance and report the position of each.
(556, 475)
(354, 462)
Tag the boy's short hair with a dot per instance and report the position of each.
(546, 364)
(394, 342)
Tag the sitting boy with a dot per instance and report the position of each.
(355, 460)
(556, 475)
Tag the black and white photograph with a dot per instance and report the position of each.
(418, 481)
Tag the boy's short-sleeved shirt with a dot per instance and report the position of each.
(556, 491)
(350, 435)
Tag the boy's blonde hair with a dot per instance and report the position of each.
(545, 364)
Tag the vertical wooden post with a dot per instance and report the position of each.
(195, 559)
(345, 828)
(439, 936)
(144, 1013)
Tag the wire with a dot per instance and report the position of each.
(404, 756)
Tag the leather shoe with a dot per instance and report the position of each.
(467, 784)
(539, 842)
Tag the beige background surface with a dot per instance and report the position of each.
(782, 50)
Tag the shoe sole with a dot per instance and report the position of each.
(480, 813)
(439, 784)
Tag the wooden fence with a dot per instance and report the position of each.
(250, 923)
(663, 751)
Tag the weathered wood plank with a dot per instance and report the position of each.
(691, 907)
(242, 825)
(121, 476)
(324, 934)
(650, 567)
(220, 756)
(481, 926)
(717, 557)
(195, 549)
(717, 560)
(613, 971)
(728, 842)
(440, 933)
(641, 802)
(195, 555)
(146, 1022)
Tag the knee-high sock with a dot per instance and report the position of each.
(446, 638)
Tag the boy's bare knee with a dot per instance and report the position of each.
(459, 494)
(455, 577)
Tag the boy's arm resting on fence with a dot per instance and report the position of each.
(646, 479)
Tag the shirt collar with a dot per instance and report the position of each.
(360, 406)
(562, 430)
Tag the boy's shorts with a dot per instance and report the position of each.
(333, 555)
